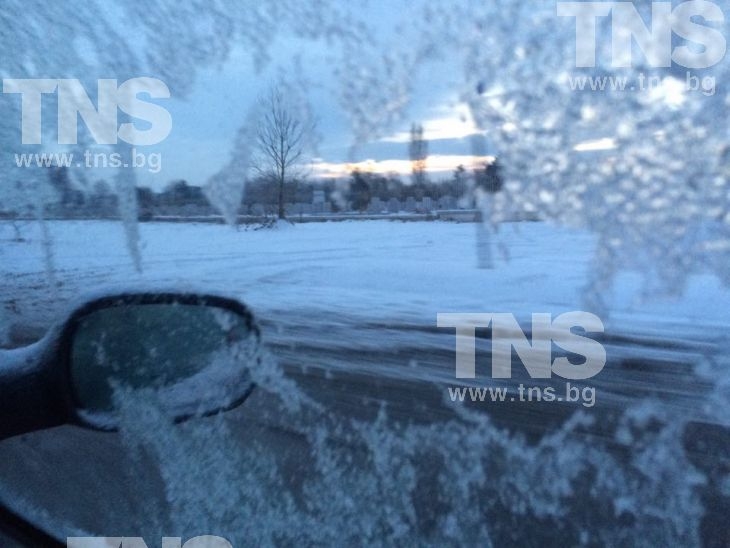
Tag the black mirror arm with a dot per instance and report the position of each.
(30, 396)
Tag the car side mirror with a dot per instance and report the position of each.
(192, 354)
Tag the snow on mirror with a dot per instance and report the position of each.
(189, 359)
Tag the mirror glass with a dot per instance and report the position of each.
(192, 358)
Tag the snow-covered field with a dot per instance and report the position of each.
(368, 271)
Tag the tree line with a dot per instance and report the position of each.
(179, 197)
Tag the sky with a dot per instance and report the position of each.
(205, 124)
(205, 121)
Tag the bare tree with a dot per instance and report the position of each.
(280, 138)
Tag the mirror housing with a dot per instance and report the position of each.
(41, 388)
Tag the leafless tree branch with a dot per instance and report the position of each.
(280, 139)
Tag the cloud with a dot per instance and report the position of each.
(435, 164)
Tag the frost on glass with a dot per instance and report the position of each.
(33, 52)
(225, 189)
(454, 482)
(657, 199)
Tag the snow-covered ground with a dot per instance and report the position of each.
(370, 271)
